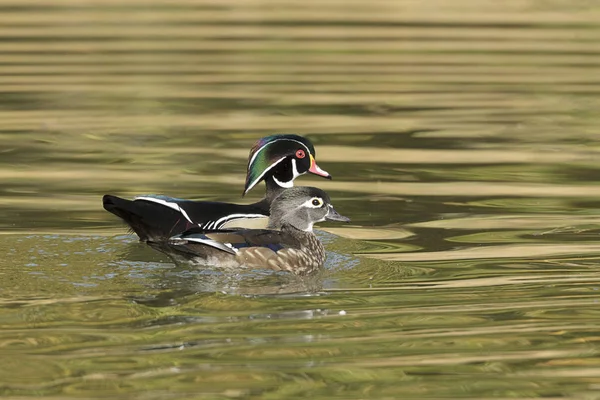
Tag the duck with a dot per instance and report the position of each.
(287, 244)
(277, 160)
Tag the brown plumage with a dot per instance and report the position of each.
(289, 246)
(277, 160)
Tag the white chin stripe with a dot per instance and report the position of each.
(284, 184)
(295, 174)
(173, 206)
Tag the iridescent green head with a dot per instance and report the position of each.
(282, 157)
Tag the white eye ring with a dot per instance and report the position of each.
(315, 202)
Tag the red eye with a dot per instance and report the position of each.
(300, 154)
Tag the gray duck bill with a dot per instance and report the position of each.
(335, 216)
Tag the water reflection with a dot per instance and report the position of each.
(463, 141)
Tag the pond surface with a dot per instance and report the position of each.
(464, 142)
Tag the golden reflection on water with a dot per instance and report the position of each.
(463, 141)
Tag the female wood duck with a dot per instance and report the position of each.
(277, 160)
(288, 244)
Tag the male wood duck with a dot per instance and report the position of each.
(277, 159)
(288, 244)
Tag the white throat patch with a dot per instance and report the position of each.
(295, 174)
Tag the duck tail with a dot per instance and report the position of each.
(140, 216)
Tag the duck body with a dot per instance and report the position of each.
(288, 249)
(288, 245)
(156, 218)
(278, 160)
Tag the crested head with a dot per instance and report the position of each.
(270, 139)
(301, 207)
(282, 158)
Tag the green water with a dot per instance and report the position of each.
(463, 138)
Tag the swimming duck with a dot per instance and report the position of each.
(277, 160)
(288, 243)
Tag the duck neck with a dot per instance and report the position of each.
(273, 189)
(299, 233)
(308, 240)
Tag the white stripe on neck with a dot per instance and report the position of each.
(289, 183)
(263, 174)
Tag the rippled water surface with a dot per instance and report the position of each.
(464, 141)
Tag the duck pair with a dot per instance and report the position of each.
(227, 235)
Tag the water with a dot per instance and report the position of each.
(463, 138)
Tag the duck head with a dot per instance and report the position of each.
(279, 159)
(302, 207)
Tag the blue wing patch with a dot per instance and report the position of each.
(274, 247)
(228, 241)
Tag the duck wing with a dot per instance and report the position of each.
(251, 248)
(234, 240)
(157, 218)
